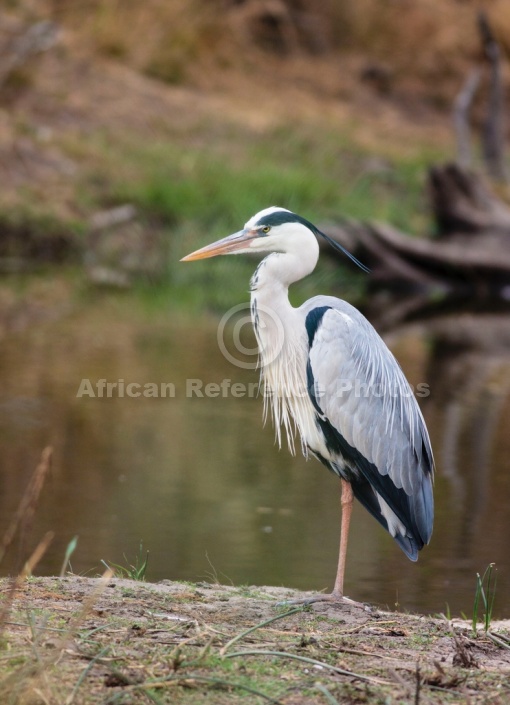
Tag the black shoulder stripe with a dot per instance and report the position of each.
(312, 391)
(313, 321)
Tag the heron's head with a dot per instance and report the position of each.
(273, 229)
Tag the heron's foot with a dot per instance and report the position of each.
(331, 597)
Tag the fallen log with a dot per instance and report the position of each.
(462, 203)
(471, 250)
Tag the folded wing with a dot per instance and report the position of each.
(374, 432)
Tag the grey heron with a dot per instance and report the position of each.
(329, 376)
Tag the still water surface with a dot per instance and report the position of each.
(203, 485)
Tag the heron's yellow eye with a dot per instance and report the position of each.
(266, 229)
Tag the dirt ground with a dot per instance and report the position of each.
(85, 640)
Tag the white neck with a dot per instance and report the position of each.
(281, 336)
(281, 269)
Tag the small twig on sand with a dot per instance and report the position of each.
(418, 684)
(177, 680)
(258, 626)
(321, 664)
(331, 700)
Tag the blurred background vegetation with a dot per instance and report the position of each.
(197, 113)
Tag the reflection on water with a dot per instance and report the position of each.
(202, 484)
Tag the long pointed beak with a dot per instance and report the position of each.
(226, 246)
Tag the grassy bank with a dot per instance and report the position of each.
(88, 641)
(325, 175)
(189, 189)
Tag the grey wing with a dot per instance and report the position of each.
(374, 432)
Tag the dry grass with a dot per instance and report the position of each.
(180, 40)
(21, 524)
(23, 518)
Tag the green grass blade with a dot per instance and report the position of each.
(71, 548)
(486, 592)
(476, 603)
(491, 595)
(240, 636)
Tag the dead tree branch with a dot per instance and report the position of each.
(462, 105)
(493, 130)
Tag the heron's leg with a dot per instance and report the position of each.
(338, 590)
(346, 502)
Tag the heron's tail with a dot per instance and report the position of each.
(411, 542)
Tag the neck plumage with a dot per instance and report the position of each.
(281, 338)
(281, 269)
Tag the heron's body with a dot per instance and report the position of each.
(330, 378)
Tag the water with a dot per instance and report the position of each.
(201, 482)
